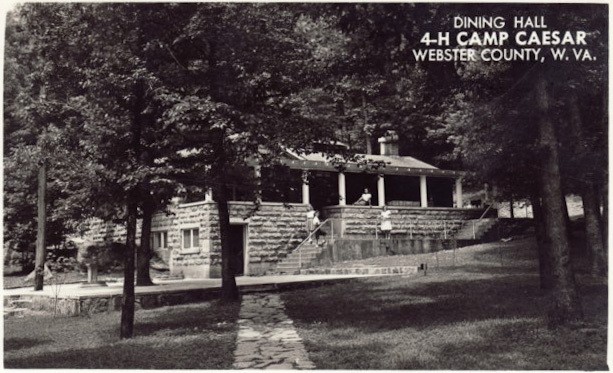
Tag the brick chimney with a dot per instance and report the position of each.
(388, 144)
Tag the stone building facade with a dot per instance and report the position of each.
(266, 234)
(424, 202)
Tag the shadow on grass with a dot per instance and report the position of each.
(214, 316)
(378, 304)
(518, 344)
(192, 336)
(19, 343)
(476, 317)
(204, 351)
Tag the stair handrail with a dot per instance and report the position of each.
(307, 239)
(480, 218)
(485, 212)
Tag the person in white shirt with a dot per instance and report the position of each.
(314, 225)
(309, 219)
(386, 222)
(365, 198)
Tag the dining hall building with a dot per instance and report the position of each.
(424, 201)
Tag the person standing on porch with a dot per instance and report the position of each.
(386, 223)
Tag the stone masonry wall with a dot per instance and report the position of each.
(192, 262)
(273, 231)
(361, 221)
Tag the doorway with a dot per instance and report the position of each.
(238, 237)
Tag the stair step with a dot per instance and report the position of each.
(14, 311)
(297, 259)
(9, 298)
(300, 256)
(308, 250)
(292, 265)
(287, 270)
(20, 302)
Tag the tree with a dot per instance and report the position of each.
(514, 138)
(96, 69)
(236, 97)
(142, 96)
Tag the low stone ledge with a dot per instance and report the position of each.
(84, 305)
(361, 270)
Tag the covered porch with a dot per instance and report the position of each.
(391, 183)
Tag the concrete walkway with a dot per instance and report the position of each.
(75, 300)
(163, 286)
(266, 337)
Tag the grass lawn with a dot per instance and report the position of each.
(195, 336)
(485, 313)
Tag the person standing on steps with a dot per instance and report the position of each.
(309, 219)
(314, 231)
(386, 223)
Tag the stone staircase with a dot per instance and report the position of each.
(475, 229)
(15, 306)
(299, 259)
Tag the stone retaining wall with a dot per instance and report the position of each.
(401, 270)
(356, 249)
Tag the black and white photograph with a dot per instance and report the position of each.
(305, 186)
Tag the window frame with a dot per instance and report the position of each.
(194, 232)
(162, 237)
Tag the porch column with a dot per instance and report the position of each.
(458, 193)
(342, 201)
(305, 188)
(423, 191)
(381, 190)
(208, 195)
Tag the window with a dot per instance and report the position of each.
(159, 240)
(191, 238)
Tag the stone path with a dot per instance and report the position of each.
(267, 338)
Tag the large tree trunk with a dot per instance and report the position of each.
(41, 253)
(593, 233)
(144, 254)
(543, 245)
(128, 299)
(605, 212)
(127, 302)
(590, 191)
(511, 210)
(229, 290)
(566, 304)
(604, 192)
(569, 226)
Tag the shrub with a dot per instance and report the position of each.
(107, 256)
(62, 264)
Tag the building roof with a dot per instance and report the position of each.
(395, 165)
(390, 161)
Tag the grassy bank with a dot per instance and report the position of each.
(196, 336)
(485, 313)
